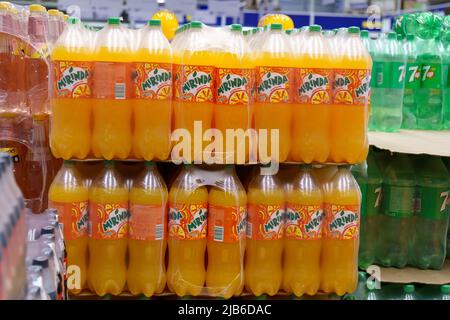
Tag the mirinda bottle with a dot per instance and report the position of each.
(265, 227)
(152, 104)
(108, 217)
(188, 210)
(313, 91)
(303, 235)
(227, 213)
(112, 92)
(69, 195)
(274, 76)
(349, 111)
(234, 101)
(70, 135)
(339, 263)
(147, 233)
(194, 88)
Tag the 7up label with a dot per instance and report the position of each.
(342, 221)
(71, 79)
(188, 221)
(109, 221)
(265, 222)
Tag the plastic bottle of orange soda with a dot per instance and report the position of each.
(112, 92)
(274, 76)
(349, 111)
(233, 109)
(303, 235)
(108, 218)
(313, 90)
(147, 234)
(227, 213)
(265, 226)
(342, 203)
(194, 87)
(152, 105)
(70, 135)
(188, 209)
(69, 195)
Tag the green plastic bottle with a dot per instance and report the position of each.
(445, 40)
(412, 83)
(408, 292)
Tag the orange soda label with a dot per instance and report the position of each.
(108, 221)
(188, 221)
(194, 83)
(226, 224)
(72, 79)
(351, 86)
(265, 222)
(234, 86)
(112, 80)
(304, 222)
(74, 218)
(153, 80)
(313, 86)
(274, 84)
(147, 222)
(341, 221)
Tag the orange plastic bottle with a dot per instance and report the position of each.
(188, 207)
(70, 134)
(234, 103)
(111, 103)
(274, 78)
(194, 88)
(349, 111)
(265, 227)
(339, 264)
(152, 105)
(226, 236)
(313, 85)
(69, 195)
(108, 216)
(303, 235)
(147, 235)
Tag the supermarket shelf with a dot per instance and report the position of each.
(413, 141)
(414, 275)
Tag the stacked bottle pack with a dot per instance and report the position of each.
(405, 210)
(46, 258)
(410, 74)
(294, 232)
(12, 234)
(305, 97)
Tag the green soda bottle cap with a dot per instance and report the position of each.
(149, 163)
(400, 37)
(73, 20)
(113, 21)
(154, 23)
(276, 26)
(445, 289)
(108, 163)
(236, 27)
(68, 162)
(410, 37)
(353, 30)
(408, 288)
(364, 34)
(289, 31)
(255, 30)
(196, 25)
(315, 28)
(392, 36)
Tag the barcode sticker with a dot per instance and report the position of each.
(119, 91)
(159, 232)
(218, 233)
(249, 230)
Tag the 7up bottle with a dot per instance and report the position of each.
(445, 40)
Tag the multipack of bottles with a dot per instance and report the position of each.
(26, 35)
(228, 98)
(410, 81)
(12, 234)
(206, 233)
(405, 210)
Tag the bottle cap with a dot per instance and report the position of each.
(392, 36)
(364, 34)
(276, 26)
(108, 163)
(315, 28)
(255, 30)
(408, 288)
(196, 25)
(236, 27)
(353, 30)
(400, 37)
(72, 20)
(41, 261)
(53, 12)
(36, 8)
(113, 21)
(445, 289)
(410, 37)
(289, 31)
(154, 23)
(149, 163)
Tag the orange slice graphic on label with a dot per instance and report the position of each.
(279, 95)
(204, 95)
(320, 97)
(177, 231)
(123, 231)
(239, 97)
(293, 231)
(82, 91)
(350, 232)
(164, 92)
(343, 97)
